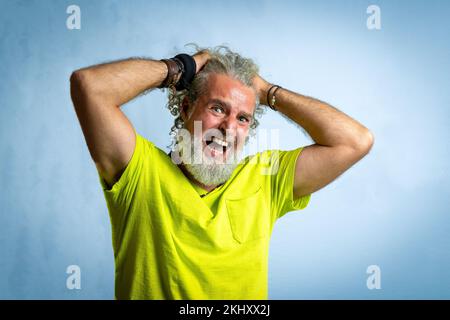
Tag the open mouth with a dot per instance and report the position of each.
(218, 145)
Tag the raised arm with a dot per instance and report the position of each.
(98, 92)
(340, 141)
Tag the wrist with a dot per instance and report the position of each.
(264, 89)
(263, 94)
(173, 71)
(271, 96)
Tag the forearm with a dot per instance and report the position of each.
(118, 82)
(325, 124)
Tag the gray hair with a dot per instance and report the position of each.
(222, 61)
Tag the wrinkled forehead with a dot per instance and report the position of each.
(232, 91)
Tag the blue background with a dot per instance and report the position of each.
(391, 209)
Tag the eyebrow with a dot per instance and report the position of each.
(228, 106)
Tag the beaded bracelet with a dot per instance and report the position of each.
(271, 101)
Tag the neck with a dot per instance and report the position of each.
(191, 178)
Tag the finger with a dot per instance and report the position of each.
(201, 58)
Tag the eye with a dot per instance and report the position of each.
(243, 119)
(217, 108)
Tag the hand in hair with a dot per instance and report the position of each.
(261, 87)
(201, 58)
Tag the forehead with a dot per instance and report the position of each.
(231, 91)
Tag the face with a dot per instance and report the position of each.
(225, 113)
(220, 122)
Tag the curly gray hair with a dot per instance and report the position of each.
(222, 61)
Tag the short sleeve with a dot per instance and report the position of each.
(120, 195)
(282, 183)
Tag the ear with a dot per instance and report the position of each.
(184, 108)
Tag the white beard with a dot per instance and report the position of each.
(209, 172)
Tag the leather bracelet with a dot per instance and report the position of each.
(271, 101)
(173, 69)
(180, 65)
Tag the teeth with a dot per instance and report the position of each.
(220, 141)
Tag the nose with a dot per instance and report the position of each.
(228, 126)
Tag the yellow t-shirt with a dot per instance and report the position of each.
(171, 243)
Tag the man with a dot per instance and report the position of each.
(186, 229)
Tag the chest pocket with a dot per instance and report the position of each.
(249, 217)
